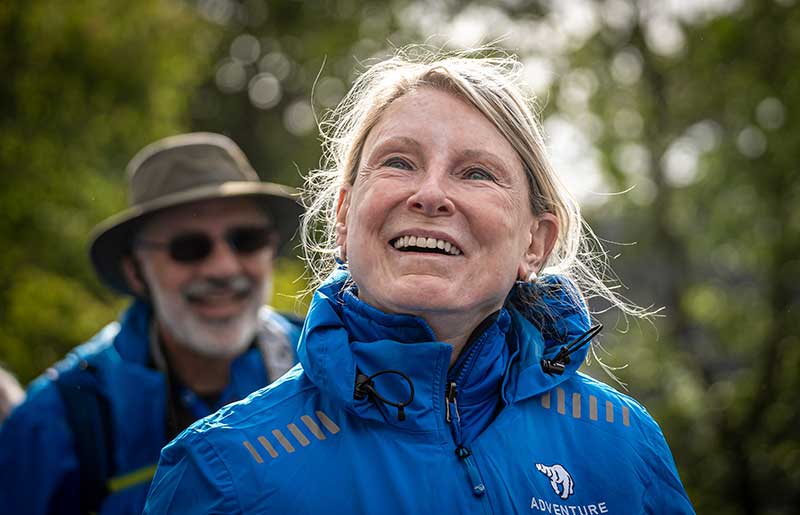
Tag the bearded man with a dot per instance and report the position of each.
(195, 250)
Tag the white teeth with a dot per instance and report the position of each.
(426, 243)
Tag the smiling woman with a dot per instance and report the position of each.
(434, 169)
(441, 351)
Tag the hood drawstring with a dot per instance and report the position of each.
(558, 364)
(365, 386)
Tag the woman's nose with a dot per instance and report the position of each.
(431, 197)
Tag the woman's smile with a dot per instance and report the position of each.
(427, 243)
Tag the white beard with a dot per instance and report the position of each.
(212, 338)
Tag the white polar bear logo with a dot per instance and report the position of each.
(558, 476)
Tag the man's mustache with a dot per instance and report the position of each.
(236, 285)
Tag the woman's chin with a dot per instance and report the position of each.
(421, 296)
(423, 290)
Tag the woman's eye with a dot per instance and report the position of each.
(397, 162)
(478, 174)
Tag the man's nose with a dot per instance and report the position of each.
(431, 197)
(223, 260)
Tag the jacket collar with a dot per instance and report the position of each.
(132, 346)
(344, 336)
(131, 341)
(540, 330)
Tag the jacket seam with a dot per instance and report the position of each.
(233, 489)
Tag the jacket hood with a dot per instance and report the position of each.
(545, 317)
(343, 336)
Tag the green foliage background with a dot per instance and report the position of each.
(85, 84)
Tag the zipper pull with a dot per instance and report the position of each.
(465, 455)
(450, 397)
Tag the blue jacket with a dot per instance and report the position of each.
(38, 457)
(512, 439)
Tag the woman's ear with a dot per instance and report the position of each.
(543, 236)
(342, 210)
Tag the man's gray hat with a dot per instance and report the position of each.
(179, 170)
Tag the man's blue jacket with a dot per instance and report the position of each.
(491, 434)
(39, 468)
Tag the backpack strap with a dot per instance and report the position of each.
(89, 418)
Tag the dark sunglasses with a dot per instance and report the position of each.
(193, 247)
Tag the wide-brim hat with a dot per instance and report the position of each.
(180, 170)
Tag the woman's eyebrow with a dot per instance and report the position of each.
(396, 141)
(486, 156)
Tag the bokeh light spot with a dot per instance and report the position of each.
(618, 14)
(217, 11)
(626, 67)
(664, 36)
(231, 76)
(770, 113)
(329, 91)
(277, 64)
(245, 48)
(680, 162)
(575, 160)
(706, 135)
(538, 74)
(298, 118)
(633, 159)
(751, 142)
(264, 91)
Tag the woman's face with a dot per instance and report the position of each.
(438, 223)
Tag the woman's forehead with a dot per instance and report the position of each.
(429, 116)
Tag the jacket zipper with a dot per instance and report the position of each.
(464, 454)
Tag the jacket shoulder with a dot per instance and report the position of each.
(222, 450)
(271, 403)
(614, 413)
(648, 441)
(623, 407)
(32, 478)
(41, 417)
(41, 392)
(584, 402)
(92, 353)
